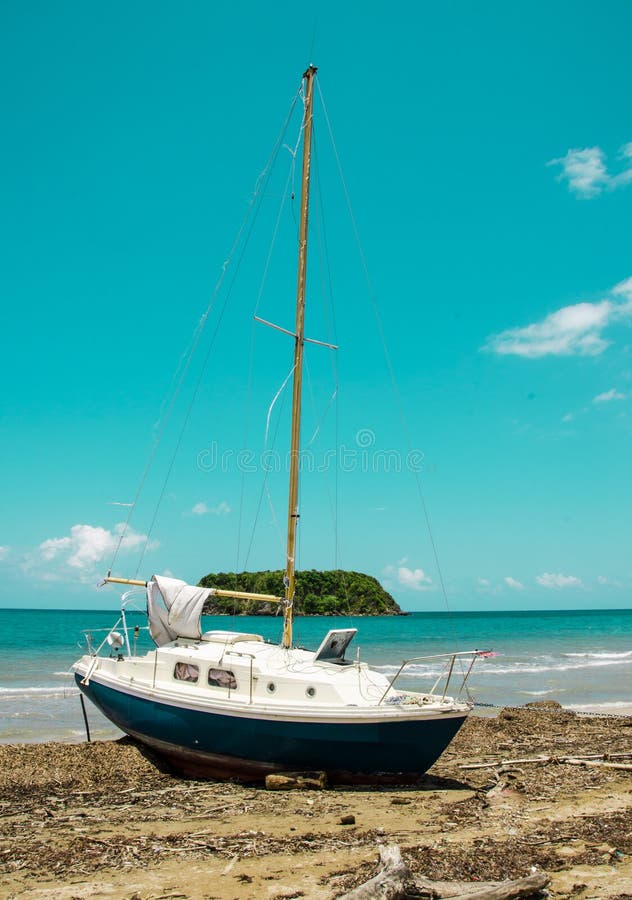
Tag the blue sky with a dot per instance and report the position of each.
(487, 151)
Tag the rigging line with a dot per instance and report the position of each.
(275, 520)
(265, 478)
(320, 422)
(193, 399)
(293, 153)
(293, 194)
(323, 265)
(252, 340)
(328, 293)
(387, 355)
(291, 175)
(310, 55)
(271, 407)
(256, 206)
(242, 487)
(277, 223)
(242, 481)
(197, 333)
(332, 508)
(326, 287)
(336, 494)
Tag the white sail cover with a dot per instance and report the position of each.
(174, 609)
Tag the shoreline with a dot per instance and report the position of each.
(86, 820)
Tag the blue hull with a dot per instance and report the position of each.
(217, 745)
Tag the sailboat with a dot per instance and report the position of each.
(230, 704)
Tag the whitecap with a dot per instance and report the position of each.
(51, 691)
(623, 654)
(623, 706)
(542, 693)
(506, 667)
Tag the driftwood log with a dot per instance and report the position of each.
(395, 881)
(295, 781)
(389, 883)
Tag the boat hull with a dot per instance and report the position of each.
(206, 743)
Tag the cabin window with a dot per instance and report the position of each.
(271, 687)
(222, 678)
(311, 691)
(186, 672)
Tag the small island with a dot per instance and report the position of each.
(331, 593)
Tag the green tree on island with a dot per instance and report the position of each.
(330, 593)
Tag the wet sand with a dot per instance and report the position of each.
(101, 820)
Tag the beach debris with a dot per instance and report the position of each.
(390, 882)
(598, 759)
(545, 704)
(230, 865)
(395, 881)
(114, 813)
(290, 781)
(349, 819)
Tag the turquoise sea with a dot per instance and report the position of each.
(582, 659)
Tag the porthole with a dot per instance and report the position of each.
(222, 678)
(311, 691)
(186, 672)
(271, 687)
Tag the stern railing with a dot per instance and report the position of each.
(446, 673)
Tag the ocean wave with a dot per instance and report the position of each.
(613, 704)
(52, 691)
(531, 669)
(542, 693)
(548, 664)
(419, 671)
(623, 654)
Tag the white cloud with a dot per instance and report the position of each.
(78, 553)
(623, 289)
(568, 417)
(574, 330)
(416, 579)
(203, 509)
(513, 583)
(412, 579)
(483, 582)
(587, 174)
(608, 582)
(4, 552)
(585, 170)
(607, 396)
(550, 580)
(625, 151)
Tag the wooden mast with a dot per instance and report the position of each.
(299, 340)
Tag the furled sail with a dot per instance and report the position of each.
(174, 609)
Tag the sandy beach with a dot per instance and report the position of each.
(101, 820)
